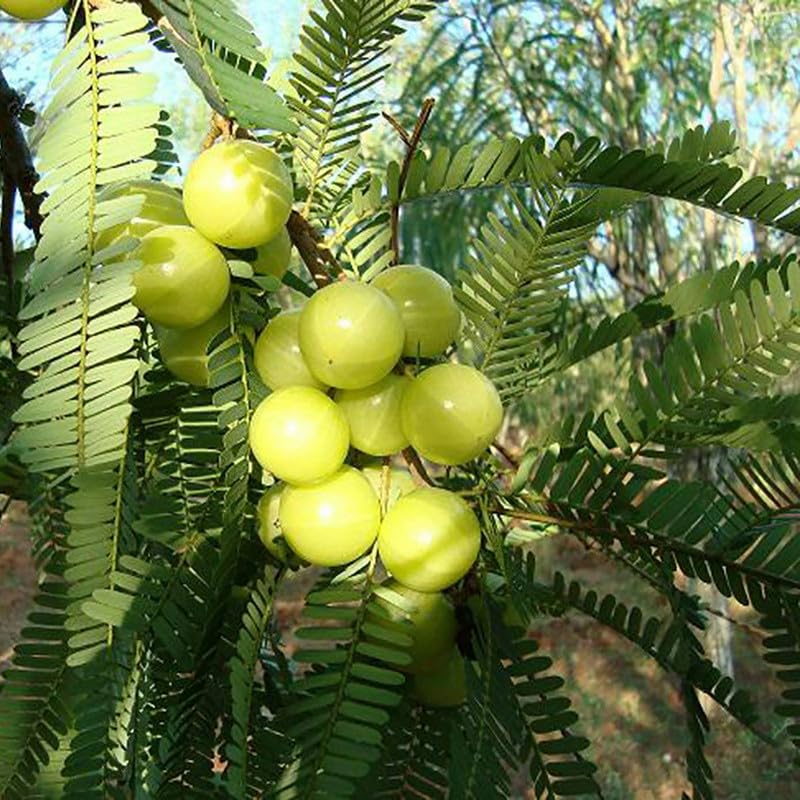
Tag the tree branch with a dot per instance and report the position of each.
(7, 235)
(17, 161)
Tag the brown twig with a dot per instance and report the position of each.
(309, 245)
(416, 467)
(412, 142)
(506, 453)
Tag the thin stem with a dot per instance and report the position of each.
(412, 142)
(416, 467)
(506, 453)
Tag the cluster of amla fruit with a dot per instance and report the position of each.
(238, 196)
(341, 370)
(344, 374)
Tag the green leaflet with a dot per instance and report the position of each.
(79, 336)
(415, 755)
(661, 639)
(695, 294)
(253, 742)
(338, 713)
(558, 766)
(485, 740)
(342, 54)
(691, 526)
(223, 56)
(713, 371)
(692, 169)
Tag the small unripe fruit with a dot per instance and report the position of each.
(299, 434)
(332, 522)
(277, 355)
(273, 257)
(269, 530)
(351, 335)
(373, 414)
(400, 483)
(432, 627)
(31, 9)
(444, 686)
(184, 351)
(451, 413)
(161, 205)
(429, 539)
(238, 194)
(183, 279)
(429, 311)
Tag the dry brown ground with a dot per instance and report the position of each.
(628, 707)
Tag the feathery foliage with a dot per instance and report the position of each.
(153, 664)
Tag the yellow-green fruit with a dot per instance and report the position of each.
(432, 627)
(161, 205)
(277, 356)
(351, 335)
(299, 434)
(184, 351)
(429, 311)
(400, 483)
(444, 686)
(183, 280)
(451, 413)
(269, 529)
(374, 415)
(332, 522)
(31, 9)
(273, 257)
(238, 194)
(429, 539)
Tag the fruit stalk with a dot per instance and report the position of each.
(416, 467)
(309, 245)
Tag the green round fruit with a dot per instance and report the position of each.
(429, 311)
(432, 627)
(374, 415)
(299, 435)
(161, 205)
(273, 257)
(400, 483)
(332, 522)
(429, 539)
(183, 279)
(451, 413)
(277, 356)
(269, 529)
(31, 9)
(351, 335)
(444, 686)
(238, 194)
(184, 351)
